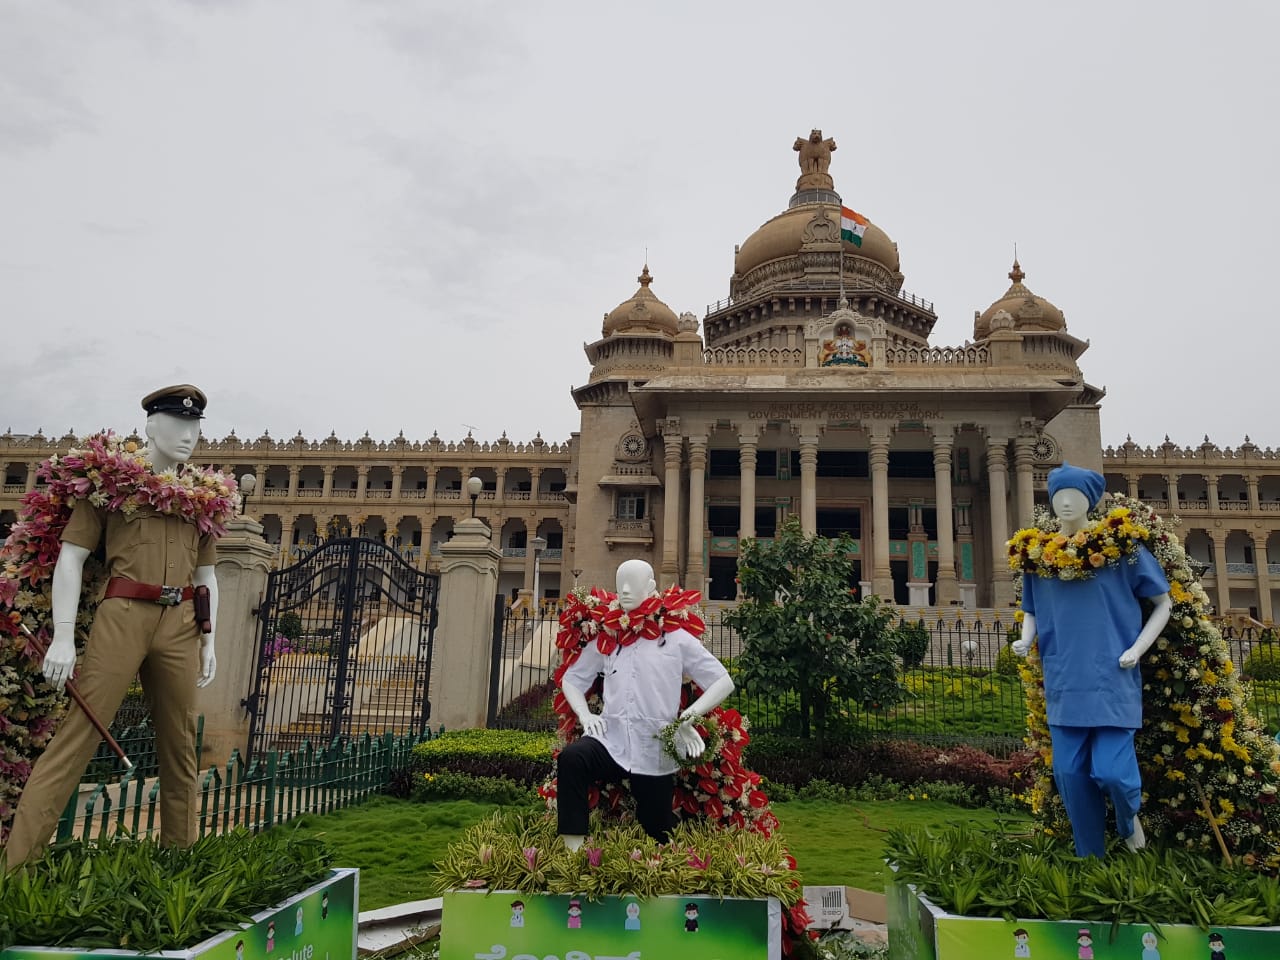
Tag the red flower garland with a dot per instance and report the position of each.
(722, 790)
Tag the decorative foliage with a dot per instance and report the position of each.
(132, 894)
(522, 852)
(720, 789)
(1209, 769)
(976, 872)
(804, 631)
(1051, 553)
(110, 473)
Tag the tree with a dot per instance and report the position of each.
(805, 632)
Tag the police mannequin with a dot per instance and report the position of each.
(1091, 759)
(637, 665)
(160, 640)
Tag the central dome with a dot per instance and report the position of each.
(805, 223)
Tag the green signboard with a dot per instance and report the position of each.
(512, 926)
(920, 931)
(317, 924)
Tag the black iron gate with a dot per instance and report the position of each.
(344, 648)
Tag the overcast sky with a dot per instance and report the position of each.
(410, 216)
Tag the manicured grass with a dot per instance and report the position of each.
(396, 842)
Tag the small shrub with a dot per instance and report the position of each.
(289, 626)
(913, 641)
(1263, 662)
(517, 755)
(462, 786)
(1007, 662)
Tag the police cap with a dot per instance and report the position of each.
(182, 400)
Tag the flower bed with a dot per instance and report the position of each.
(920, 930)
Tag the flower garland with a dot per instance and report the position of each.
(708, 728)
(107, 472)
(718, 787)
(1052, 553)
(1207, 761)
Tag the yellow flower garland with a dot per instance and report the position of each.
(1051, 553)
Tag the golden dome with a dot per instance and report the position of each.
(643, 311)
(1028, 311)
(784, 235)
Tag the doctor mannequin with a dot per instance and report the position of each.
(1094, 702)
(641, 696)
(158, 641)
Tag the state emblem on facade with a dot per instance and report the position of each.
(844, 349)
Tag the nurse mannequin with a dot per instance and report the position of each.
(1094, 710)
(641, 695)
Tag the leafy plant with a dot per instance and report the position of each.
(289, 626)
(804, 631)
(913, 640)
(1034, 875)
(1263, 662)
(462, 786)
(511, 754)
(136, 895)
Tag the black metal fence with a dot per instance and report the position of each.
(965, 687)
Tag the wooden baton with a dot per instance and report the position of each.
(74, 693)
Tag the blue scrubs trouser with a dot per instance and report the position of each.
(1091, 764)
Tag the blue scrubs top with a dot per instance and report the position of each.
(1084, 626)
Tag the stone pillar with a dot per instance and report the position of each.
(1221, 580)
(294, 471)
(464, 637)
(964, 555)
(1171, 481)
(1264, 576)
(242, 564)
(1133, 485)
(1023, 458)
(362, 481)
(809, 483)
(746, 487)
(535, 478)
(672, 442)
(945, 591)
(878, 458)
(31, 475)
(431, 482)
(1252, 483)
(526, 585)
(397, 474)
(695, 576)
(1212, 480)
(998, 477)
(326, 492)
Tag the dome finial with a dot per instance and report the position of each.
(1016, 274)
(645, 277)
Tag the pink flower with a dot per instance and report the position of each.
(531, 857)
(593, 856)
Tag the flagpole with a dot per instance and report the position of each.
(840, 249)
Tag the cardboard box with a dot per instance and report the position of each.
(842, 907)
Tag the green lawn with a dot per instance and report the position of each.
(395, 842)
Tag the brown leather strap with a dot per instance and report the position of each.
(124, 588)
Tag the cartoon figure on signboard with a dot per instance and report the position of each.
(1217, 948)
(633, 916)
(517, 913)
(1021, 948)
(297, 926)
(271, 936)
(324, 906)
(691, 917)
(1085, 939)
(239, 950)
(1149, 951)
(575, 914)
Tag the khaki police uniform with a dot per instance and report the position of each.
(160, 644)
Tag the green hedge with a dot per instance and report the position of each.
(516, 755)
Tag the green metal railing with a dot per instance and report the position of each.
(272, 789)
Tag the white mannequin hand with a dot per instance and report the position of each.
(593, 724)
(60, 659)
(208, 661)
(689, 742)
(1129, 659)
(1022, 646)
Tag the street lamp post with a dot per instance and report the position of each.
(474, 487)
(248, 483)
(537, 545)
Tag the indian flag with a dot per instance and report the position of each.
(852, 226)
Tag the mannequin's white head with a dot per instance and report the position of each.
(635, 583)
(1071, 506)
(171, 439)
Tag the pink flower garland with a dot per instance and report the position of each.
(110, 473)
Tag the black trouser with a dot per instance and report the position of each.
(586, 761)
